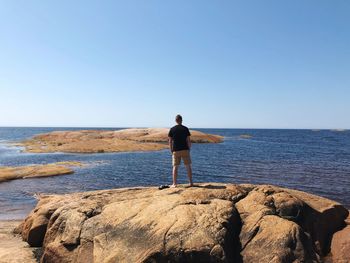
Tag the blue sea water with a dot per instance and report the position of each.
(314, 161)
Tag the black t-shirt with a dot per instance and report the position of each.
(179, 134)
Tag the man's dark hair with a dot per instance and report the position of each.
(178, 118)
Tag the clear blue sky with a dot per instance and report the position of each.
(230, 64)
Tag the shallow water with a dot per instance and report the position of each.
(314, 161)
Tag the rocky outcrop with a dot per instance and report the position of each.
(341, 245)
(282, 225)
(98, 141)
(31, 171)
(205, 223)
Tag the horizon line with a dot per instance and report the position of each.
(220, 128)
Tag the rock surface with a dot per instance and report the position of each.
(12, 248)
(94, 141)
(205, 223)
(341, 244)
(19, 172)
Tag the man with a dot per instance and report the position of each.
(180, 145)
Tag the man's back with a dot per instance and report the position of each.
(180, 144)
(179, 134)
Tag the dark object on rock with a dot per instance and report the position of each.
(161, 187)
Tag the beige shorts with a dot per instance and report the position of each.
(184, 154)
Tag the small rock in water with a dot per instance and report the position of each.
(245, 136)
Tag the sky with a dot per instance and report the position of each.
(221, 64)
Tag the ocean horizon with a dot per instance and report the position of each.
(142, 127)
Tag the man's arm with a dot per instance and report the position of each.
(188, 139)
(170, 139)
(189, 144)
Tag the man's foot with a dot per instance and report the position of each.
(191, 185)
(173, 186)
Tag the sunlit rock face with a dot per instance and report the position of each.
(99, 141)
(206, 223)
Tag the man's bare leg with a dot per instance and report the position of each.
(175, 169)
(189, 173)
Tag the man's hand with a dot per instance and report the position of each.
(189, 142)
(171, 144)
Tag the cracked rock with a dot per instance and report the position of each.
(207, 223)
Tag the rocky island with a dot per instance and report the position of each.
(99, 141)
(32, 171)
(207, 223)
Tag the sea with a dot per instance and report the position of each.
(315, 161)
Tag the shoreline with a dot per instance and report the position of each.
(10, 216)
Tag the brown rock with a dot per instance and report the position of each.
(95, 141)
(340, 249)
(305, 236)
(207, 223)
(267, 214)
(60, 168)
(330, 218)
